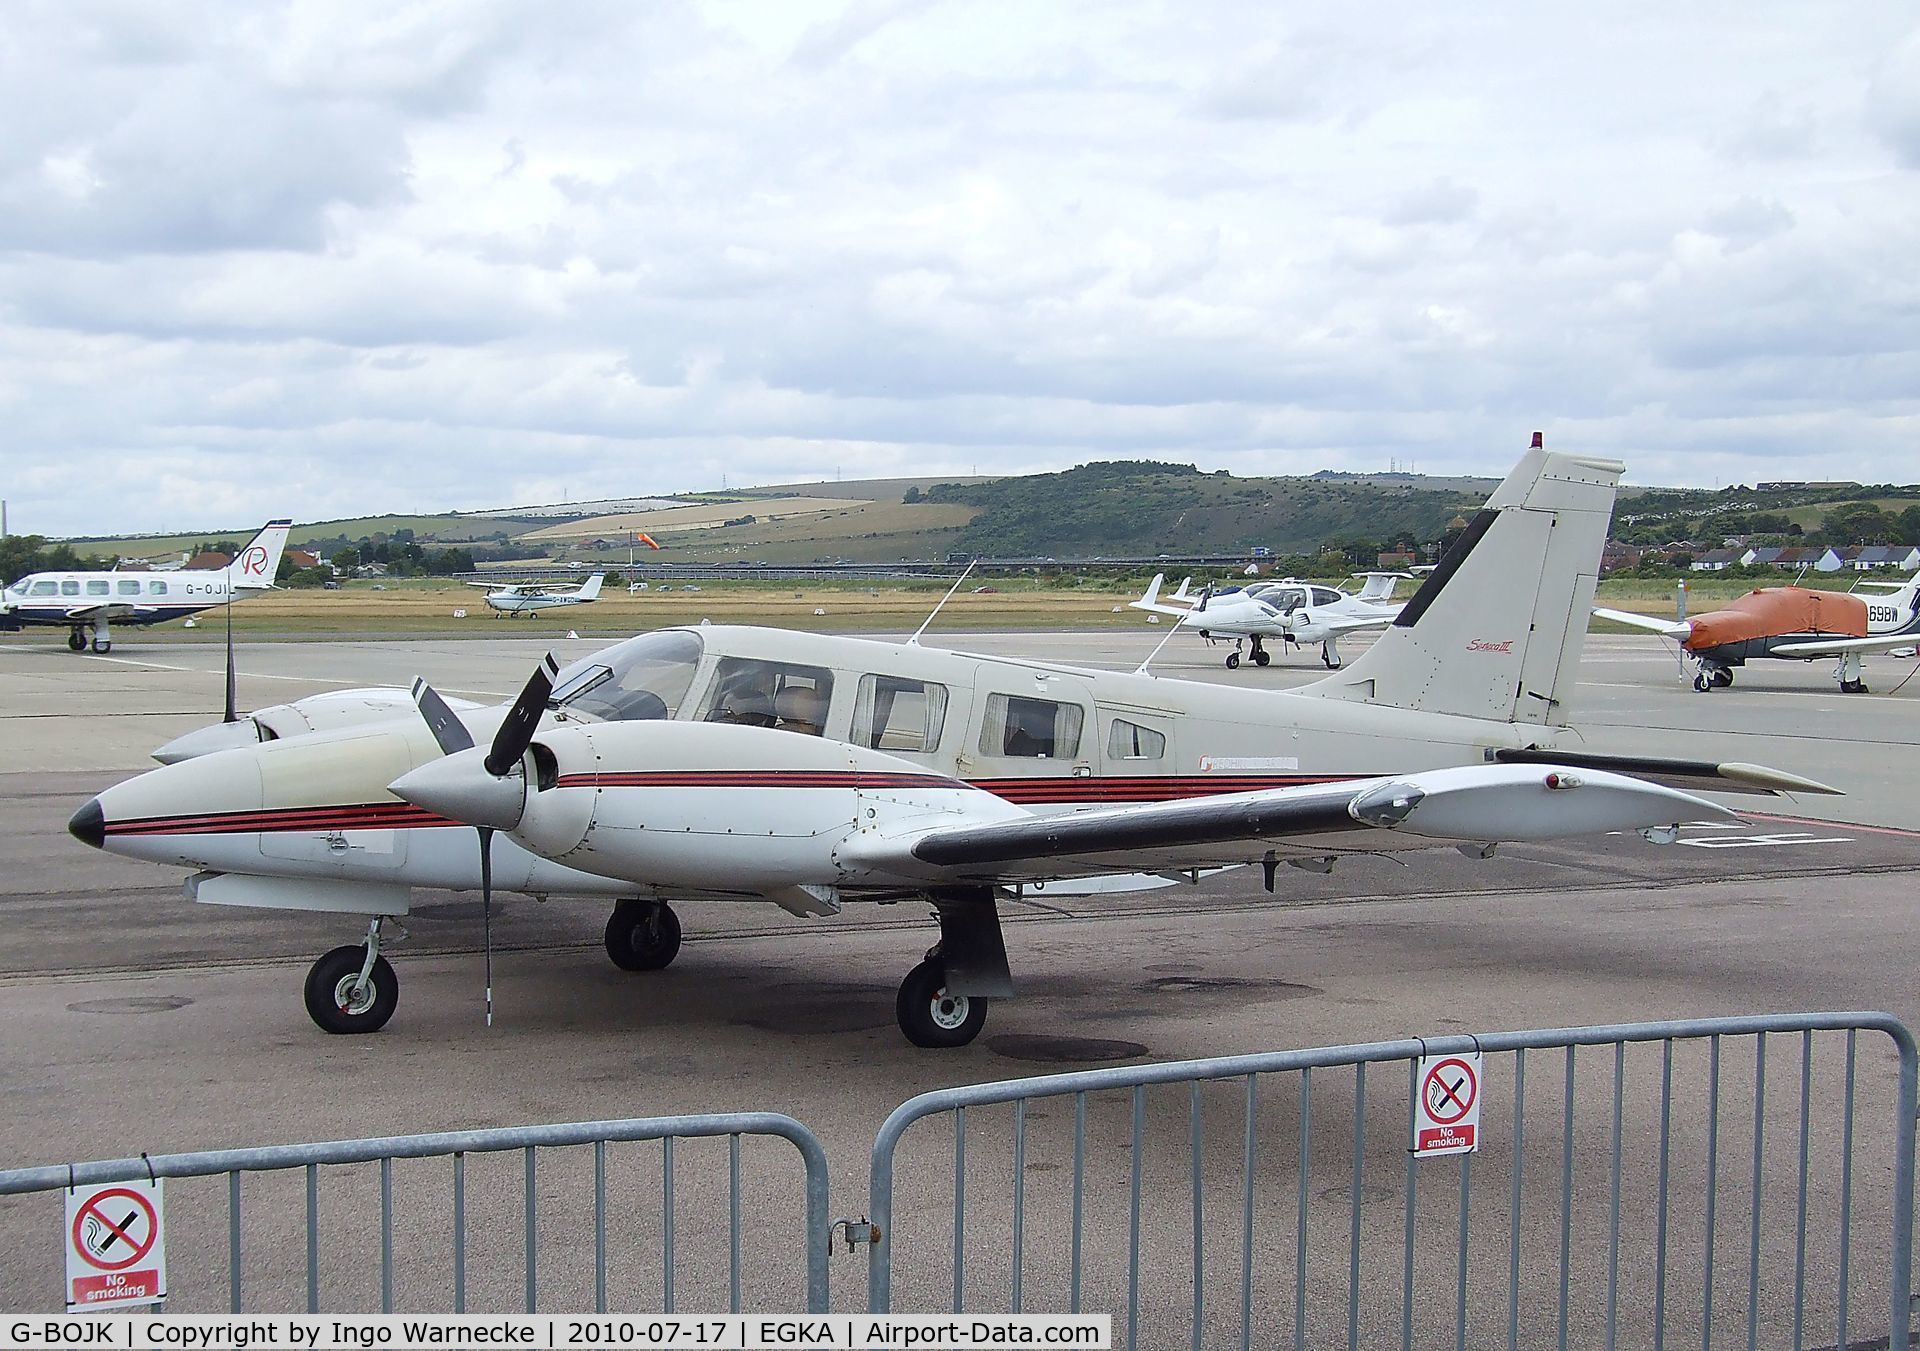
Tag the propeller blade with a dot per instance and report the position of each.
(516, 730)
(486, 909)
(448, 731)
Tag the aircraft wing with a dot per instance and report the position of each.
(109, 610)
(1823, 647)
(1478, 804)
(1349, 623)
(1666, 628)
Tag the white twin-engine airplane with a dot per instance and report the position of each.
(524, 598)
(83, 602)
(811, 772)
(1291, 611)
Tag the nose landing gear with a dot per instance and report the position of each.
(353, 989)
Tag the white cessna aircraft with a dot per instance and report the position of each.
(1293, 612)
(89, 601)
(525, 598)
(811, 772)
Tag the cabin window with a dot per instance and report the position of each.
(45, 589)
(643, 678)
(129, 587)
(1039, 729)
(1325, 596)
(69, 588)
(892, 713)
(754, 693)
(97, 588)
(1130, 741)
(156, 588)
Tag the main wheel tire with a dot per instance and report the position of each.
(933, 1018)
(1262, 657)
(76, 640)
(331, 1001)
(1722, 679)
(1330, 663)
(1233, 661)
(642, 936)
(103, 644)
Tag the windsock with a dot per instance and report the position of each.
(640, 537)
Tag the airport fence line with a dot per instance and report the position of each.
(1742, 1214)
(461, 1147)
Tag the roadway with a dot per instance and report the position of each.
(137, 1021)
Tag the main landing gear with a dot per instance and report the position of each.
(643, 935)
(1849, 674)
(943, 1001)
(353, 988)
(1260, 654)
(77, 638)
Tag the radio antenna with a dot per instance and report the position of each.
(1141, 669)
(915, 640)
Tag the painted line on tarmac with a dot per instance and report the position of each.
(267, 675)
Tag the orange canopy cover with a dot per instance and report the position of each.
(1774, 610)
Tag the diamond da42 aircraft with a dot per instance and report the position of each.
(1294, 612)
(812, 772)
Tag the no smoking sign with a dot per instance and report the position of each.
(116, 1249)
(1446, 1113)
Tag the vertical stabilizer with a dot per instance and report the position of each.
(590, 589)
(253, 568)
(1495, 632)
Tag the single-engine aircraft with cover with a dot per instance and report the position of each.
(1792, 623)
(1294, 612)
(814, 772)
(88, 604)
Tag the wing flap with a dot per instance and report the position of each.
(1725, 777)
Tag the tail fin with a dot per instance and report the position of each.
(253, 568)
(1181, 592)
(1379, 585)
(1495, 632)
(1151, 601)
(590, 589)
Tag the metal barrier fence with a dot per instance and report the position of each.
(459, 1145)
(1824, 1233)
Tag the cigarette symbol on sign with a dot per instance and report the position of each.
(1450, 1090)
(115, 1244)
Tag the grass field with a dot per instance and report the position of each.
(705, 516)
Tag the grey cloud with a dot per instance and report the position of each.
(1440, 202)
(1893, 101)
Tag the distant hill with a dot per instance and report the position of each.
(1139, 508)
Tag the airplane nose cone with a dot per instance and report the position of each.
(220, 736)
(89, 824)
(459, 788)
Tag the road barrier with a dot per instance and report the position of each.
(1499, 1247)
(349, 1255)
(1760, 1171)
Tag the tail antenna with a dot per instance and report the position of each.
(915, 640)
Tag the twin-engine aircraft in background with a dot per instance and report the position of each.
(526, 598)
(86, 603)
(1792, 623)
(811, 772)
(1298, 613)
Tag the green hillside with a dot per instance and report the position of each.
(1133, 508)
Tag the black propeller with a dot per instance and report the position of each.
(1206, 594)
(510, 742)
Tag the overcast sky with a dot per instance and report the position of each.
(329, 258)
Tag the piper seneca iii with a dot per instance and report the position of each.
(812, 772)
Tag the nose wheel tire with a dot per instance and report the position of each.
(643, 935)
(1233, 661)
(931, 1016)
(1703, 682)
(339, 1002)
(76, 640)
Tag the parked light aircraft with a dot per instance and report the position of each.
(83, 602)
(813, 771)
(525, 598)
(1792, 623)
(1293, 612)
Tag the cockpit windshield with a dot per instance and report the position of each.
(1282, 600)
(643, 678)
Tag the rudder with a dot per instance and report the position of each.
(1495, 632)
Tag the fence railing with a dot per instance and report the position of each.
(1501, 1271)
(459, 1146)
